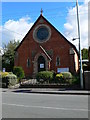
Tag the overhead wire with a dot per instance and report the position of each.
(12, 31)
(34, 11)
(28, 13)
(48, 16)
(31, 12)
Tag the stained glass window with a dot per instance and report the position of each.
(28, 62)
(57, 61)
(42, 33)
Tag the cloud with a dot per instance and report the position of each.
(86, 1)
(71, 29)
(15, 30)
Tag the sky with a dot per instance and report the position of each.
(18, 18)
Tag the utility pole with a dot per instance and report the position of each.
(81, 78)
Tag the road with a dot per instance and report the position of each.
(29, 105)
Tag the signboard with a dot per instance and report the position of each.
(62, 70)
(3, 69)
(41, 65)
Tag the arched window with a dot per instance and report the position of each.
(28, 62)
(16, 55)
(57, 61)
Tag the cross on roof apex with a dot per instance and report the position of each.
(41, 11)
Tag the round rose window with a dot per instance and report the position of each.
(42, 33)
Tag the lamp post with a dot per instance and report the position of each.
(81, 78)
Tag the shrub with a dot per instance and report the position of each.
(75, 80)
(8, 79)
(59, 78)
(19, 72)
(3, 74)
(12, 79)
(66, 75)
(44, 76)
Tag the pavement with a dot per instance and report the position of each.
(48, 91)
(58, 91)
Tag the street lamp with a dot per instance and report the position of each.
(74, 39)
(81, 78)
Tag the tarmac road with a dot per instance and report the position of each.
(29, 105)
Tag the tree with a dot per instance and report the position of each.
(8, 56)
(84, 53)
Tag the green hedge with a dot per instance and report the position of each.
(63, 77)
(44, 76)
(19, 72)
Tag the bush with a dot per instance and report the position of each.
(19, 72)
(66, 75)
(76, 80)
(8, 79)
(59, 78)
(12, 79)
(44, 76)
(3, 77)
(3, 74)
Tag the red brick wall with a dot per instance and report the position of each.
(57, 43)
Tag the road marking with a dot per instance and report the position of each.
(44, 107)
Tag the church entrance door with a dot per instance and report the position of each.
(41, 64)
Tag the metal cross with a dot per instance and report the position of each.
(41, 11)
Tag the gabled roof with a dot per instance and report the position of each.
(50, 25)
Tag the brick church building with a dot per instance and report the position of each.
(45, 48)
